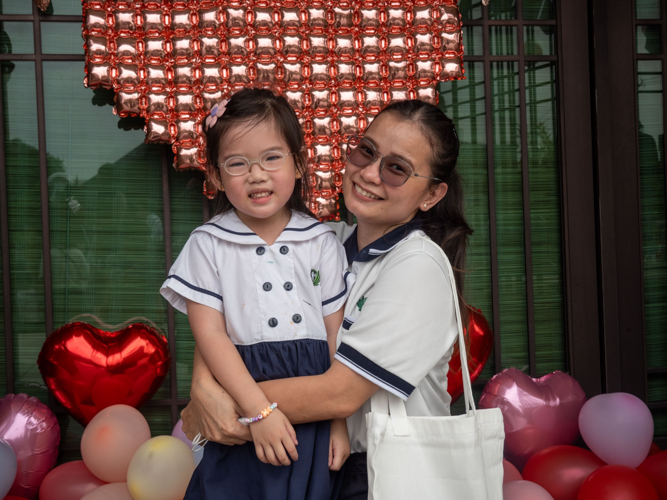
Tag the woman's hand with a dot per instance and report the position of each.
(274, 439)
(214, 414)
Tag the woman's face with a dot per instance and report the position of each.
(377, 204)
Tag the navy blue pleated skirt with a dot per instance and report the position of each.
(235, 472)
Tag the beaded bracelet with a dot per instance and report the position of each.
(262, 414)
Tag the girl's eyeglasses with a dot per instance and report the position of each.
(239, 165)
(393, 171)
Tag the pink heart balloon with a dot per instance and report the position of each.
(538, 413)
(33, 432)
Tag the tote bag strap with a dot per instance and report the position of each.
(389, 404)
(465, 372)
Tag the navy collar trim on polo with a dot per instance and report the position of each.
(380, 246)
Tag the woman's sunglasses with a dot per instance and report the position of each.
(393, 170)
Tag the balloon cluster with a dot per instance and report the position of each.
(122, 462)
(336, 62)
(545, 416)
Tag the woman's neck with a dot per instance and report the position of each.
(270, 228)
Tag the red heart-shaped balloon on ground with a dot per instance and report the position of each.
(479, 341)
(88, 369)
(538, 413)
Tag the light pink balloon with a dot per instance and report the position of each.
(525, 490)
(69, 481)
(111, 491)
(618, 428)
(111, 439)
(179, 434)
(538, 413)
(510, 473)
(33, 432)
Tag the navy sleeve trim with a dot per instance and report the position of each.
(347, 323)
(341, 294)
(303, 228)
(195, 288)
(229, 231)
(374, 371)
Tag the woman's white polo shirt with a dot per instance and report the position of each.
(400, 324)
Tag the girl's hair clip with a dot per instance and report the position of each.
(216, 112)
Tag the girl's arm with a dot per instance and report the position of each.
(274, 435)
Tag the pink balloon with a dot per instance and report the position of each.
(511, 473)
(111, 491)
(618, 428)
(524, 490)
(111, 439)
(178, 433)
(69, 481)
(33, 432)
(538, 413)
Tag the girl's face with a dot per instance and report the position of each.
(258, 195)
(377, 205)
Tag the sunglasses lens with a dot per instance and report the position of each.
(361, 153)
(394, 172)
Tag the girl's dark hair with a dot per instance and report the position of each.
(255, 105)
(445, 222)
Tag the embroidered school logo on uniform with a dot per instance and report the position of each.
(361, 302)
(315, 276)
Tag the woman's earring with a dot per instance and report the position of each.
(425, 205)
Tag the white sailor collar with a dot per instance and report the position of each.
(229, 227)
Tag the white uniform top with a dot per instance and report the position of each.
(400, 322)
(267, 293)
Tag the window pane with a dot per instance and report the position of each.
(472, 40)
(509, 215)
(16, 7)
(654, 224)
(185, 197)
(463, 102)
(545, 219)
(25, 223)
(502, 9)
(647, 9)
(648, 39)
(66, 7)
(61, 38)
(470, 9)
(503, 40)
(16, 38)
(538, 9)
(105, 207)
(538, 40)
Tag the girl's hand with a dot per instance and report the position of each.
(274, 439)
(213, 413)
(339, 444)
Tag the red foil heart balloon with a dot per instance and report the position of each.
(88, 369)
(479, 341)
(538, 413)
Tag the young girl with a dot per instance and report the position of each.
(263, 285)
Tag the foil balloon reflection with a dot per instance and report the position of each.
(538, 413)
(479, 342)
(337, 63)
(88, 369)
(33, 432)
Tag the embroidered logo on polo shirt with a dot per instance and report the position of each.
(361, 302)
(315, 276)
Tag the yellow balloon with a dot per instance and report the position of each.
(111, 491)
(160, 469)
(110, 440)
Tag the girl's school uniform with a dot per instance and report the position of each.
(400, 326)
(274, 298)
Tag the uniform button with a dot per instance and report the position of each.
(288, 286)
(296, 318)
(260, 250)
(284, 250)
(267, 286)
(273, 322)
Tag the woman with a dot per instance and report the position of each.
(400, 326)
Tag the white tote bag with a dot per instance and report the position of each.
(457, 458)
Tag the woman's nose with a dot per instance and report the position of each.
(371, 173)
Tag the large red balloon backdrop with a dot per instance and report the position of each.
(337, 63)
